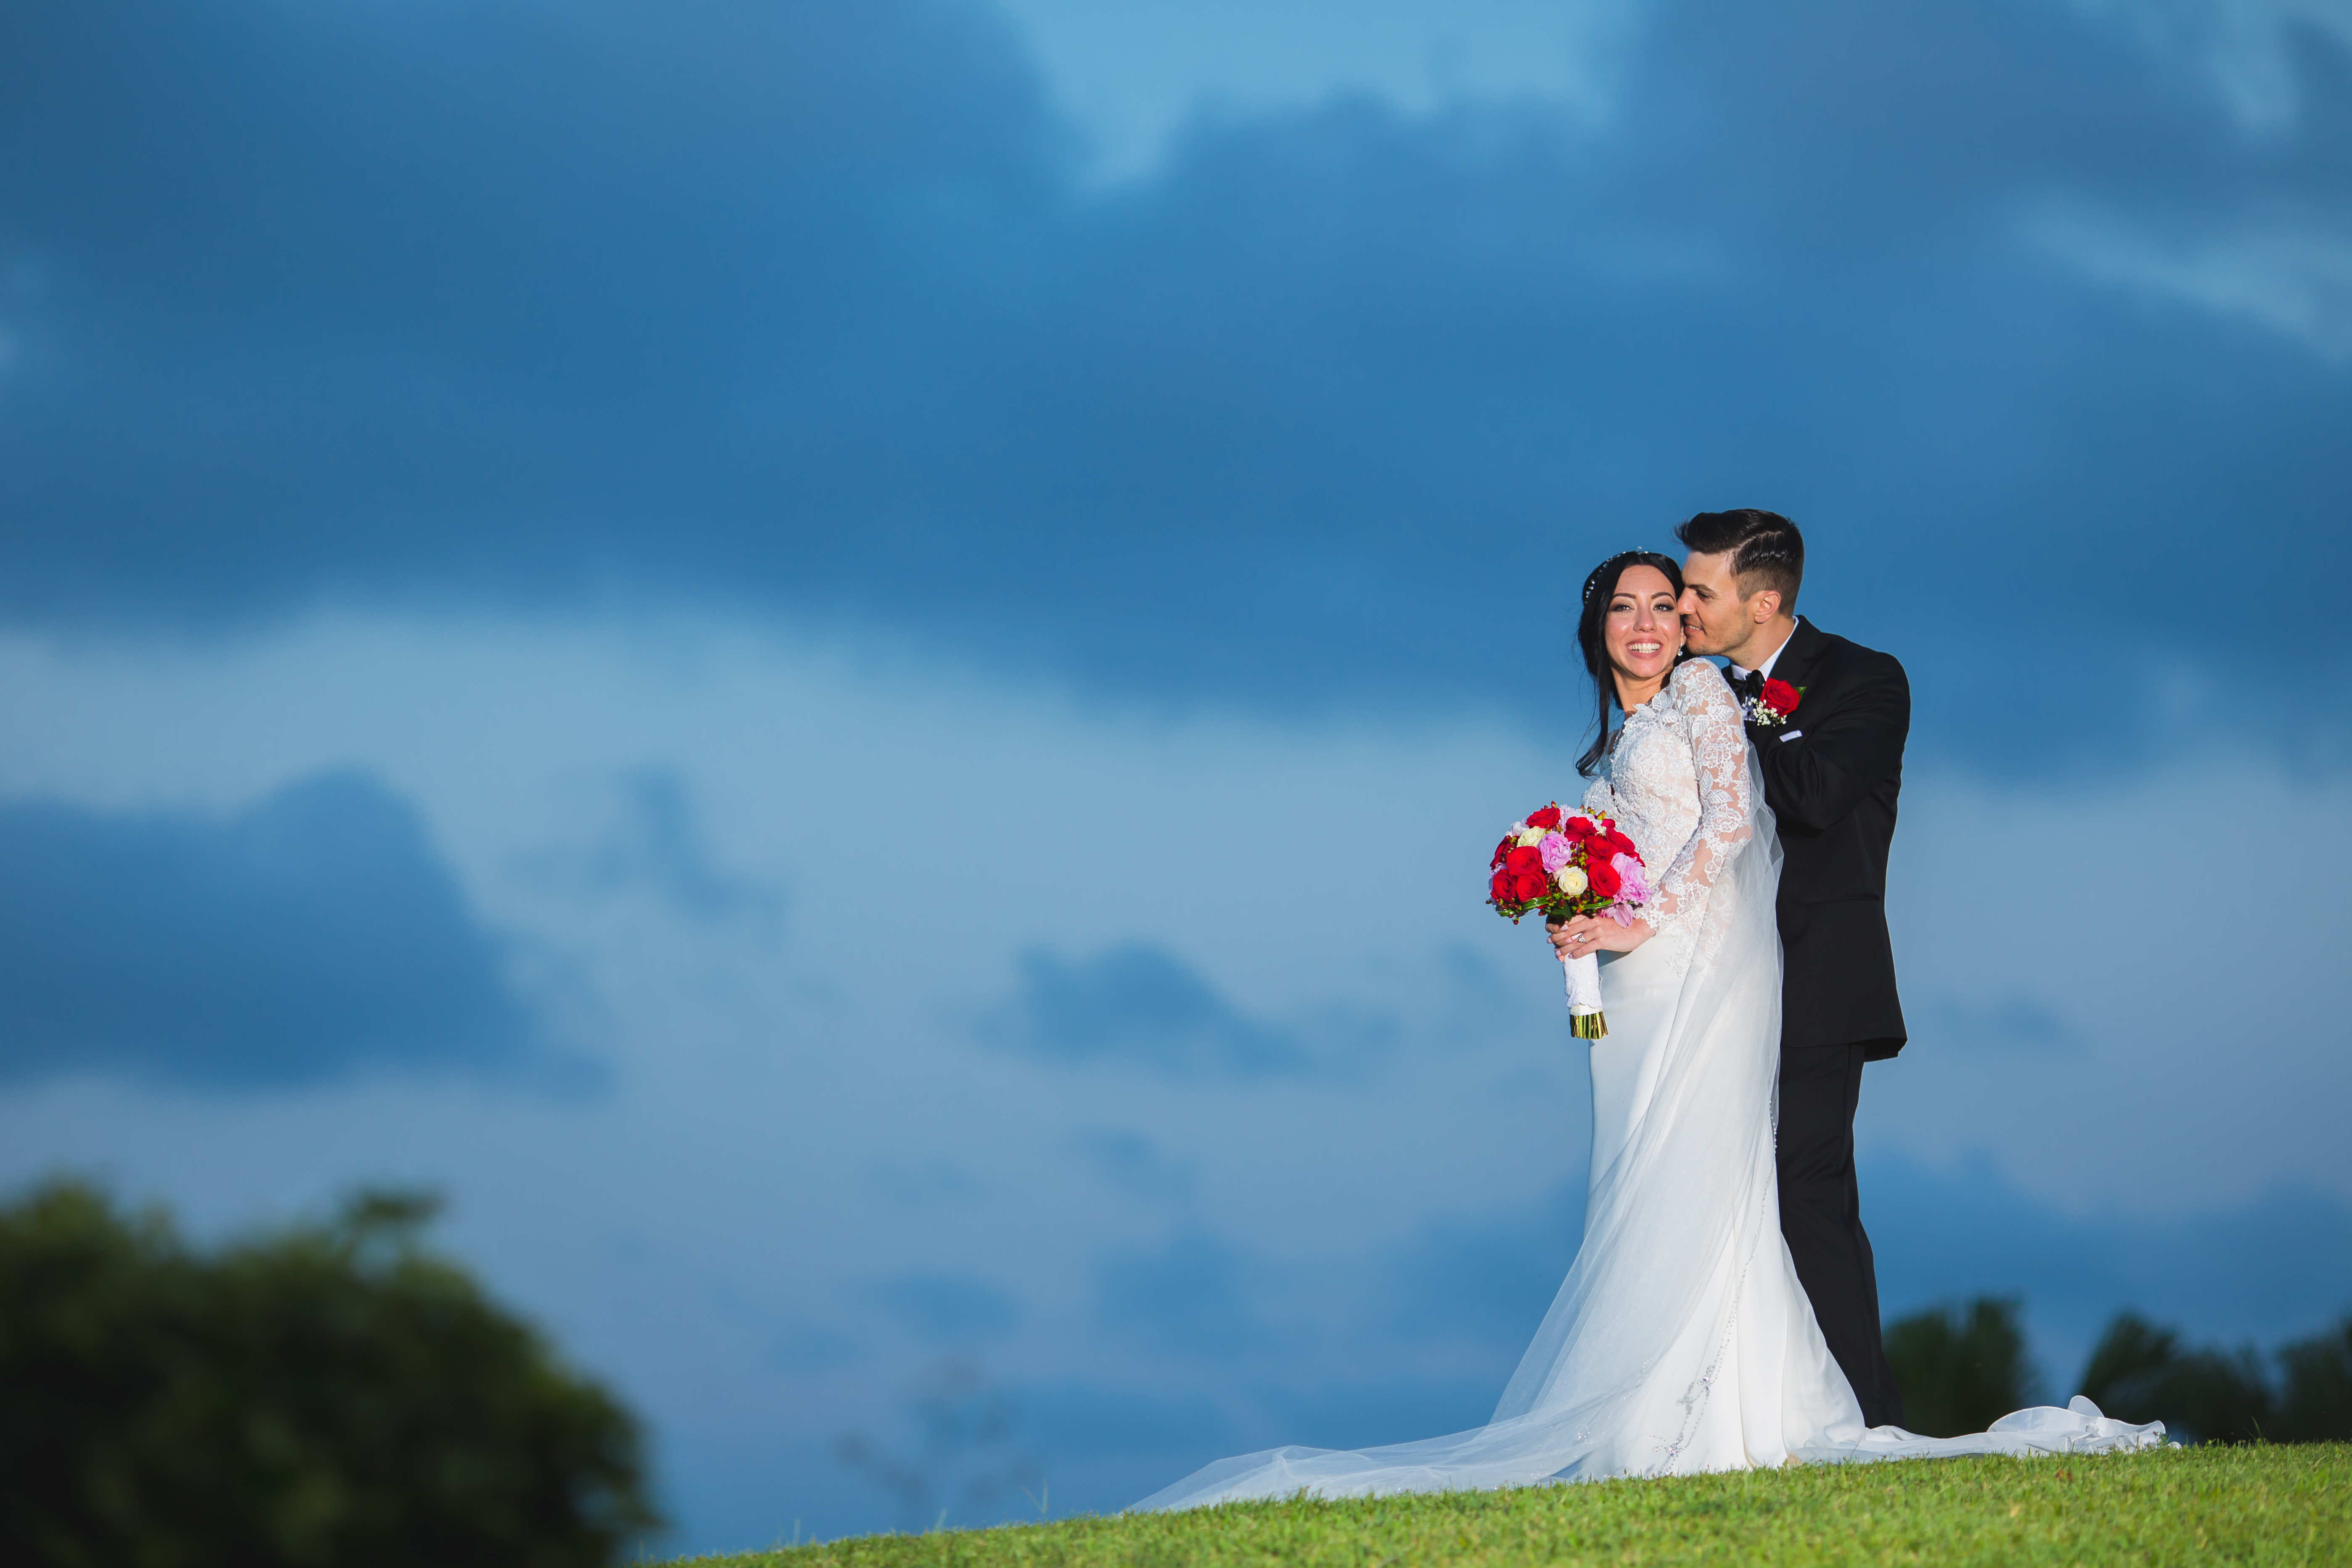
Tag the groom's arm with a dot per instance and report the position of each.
(1844, 752)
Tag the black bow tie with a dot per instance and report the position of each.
(1749, 686)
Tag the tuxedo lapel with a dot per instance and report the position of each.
(1795, 661)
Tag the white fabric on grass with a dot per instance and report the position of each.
(1681, 1340)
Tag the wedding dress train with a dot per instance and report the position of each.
(1681, 1340)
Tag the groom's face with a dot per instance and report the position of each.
(1716, 618)
(1713, 619)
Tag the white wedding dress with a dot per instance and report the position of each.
(1681, 1340)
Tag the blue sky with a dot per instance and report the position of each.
(849, 668)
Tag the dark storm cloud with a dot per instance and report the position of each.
(1188, 1298)
(1094, 1420)
(798, 305)
(2277, 1265)
(657, 844)
(1483, 1283)
(1138, 1006)
(1134, 1166)
(948, 1306)
(312, 935)
(2017, 1023)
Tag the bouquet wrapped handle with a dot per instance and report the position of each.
(1585, 1019)
(1564, 865)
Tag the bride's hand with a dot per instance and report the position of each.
(1596, 933)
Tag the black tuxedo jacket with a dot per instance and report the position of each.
(1830, 776)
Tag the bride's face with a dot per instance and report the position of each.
(1643, 631)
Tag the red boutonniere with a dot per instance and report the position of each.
(1772, 708)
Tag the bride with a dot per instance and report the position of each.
(1681, 1339)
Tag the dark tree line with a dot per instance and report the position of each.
(1962, 1367)
(330, 1394)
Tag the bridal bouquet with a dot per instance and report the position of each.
(1563, 865)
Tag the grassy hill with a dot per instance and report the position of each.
(2268, 1504)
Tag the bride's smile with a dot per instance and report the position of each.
(1643, 634)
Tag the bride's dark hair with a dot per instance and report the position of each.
(1598, 589)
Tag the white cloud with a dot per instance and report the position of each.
(2244, 48)
(1132, 73)
(2291, 275)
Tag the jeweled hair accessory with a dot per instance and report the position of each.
(1602, 570)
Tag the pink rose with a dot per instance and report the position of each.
(1556, 850)
(1632, 885)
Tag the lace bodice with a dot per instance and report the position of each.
(1676, 781)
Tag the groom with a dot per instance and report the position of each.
(1833, 766)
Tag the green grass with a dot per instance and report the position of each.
(2266, 1504)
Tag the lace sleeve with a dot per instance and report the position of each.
(1599, 797)
(1676, 908)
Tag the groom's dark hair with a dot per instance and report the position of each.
(1766, 550)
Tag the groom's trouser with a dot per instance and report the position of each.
(1820, 1215)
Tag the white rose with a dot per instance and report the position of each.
(1571, 880)
(1531, 838)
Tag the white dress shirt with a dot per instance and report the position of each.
(1764, 670)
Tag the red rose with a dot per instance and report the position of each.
(1620, 845)
(1528, 886)
(1500, 851)
(1603, 880)
(1522, 860)
(1547, 817)
(1500, 887)
(1580, 828)
(1781, 698)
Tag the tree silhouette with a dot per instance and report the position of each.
(2315, 1405)
(1961, 1368)
(324, 1395)
(2141, 1373)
